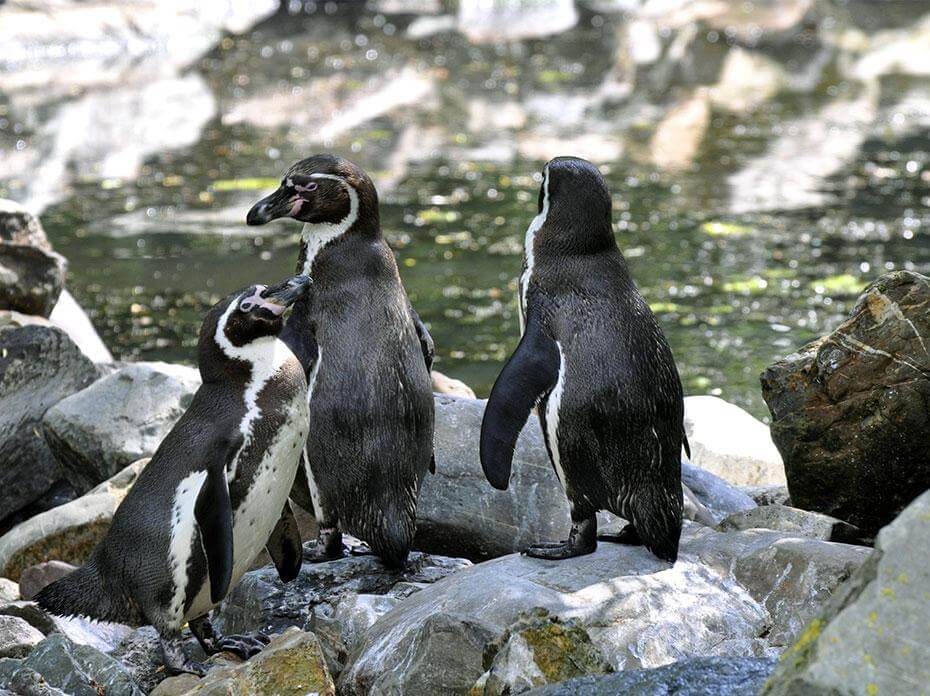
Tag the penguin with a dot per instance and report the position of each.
(370, 393)
(595, 363)
(214, 493)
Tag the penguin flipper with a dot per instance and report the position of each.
(528, 376)
(426, 341)
(213, 512)
(284, 545)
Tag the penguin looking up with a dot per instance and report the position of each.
(215, 491)
(370, 394)
(595, 363)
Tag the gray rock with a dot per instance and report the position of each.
(442, 384)
(728, 594)
(871, 636)
(118, 419)
(31, 279)
(19, 226)
(848, 410)
(28, 682)
(728, 442)
(768, 495)
(17, 637)
(794, 521)
(68, 532)
(341, 628)
(39, 366)
(262, 602)
(142, 654)
(706, 676)
(458, 513)
(34, 578)
(78, 670)
(9, 591)
(31, 613)
(176, 686)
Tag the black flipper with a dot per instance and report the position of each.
(426, 341)
(432, 463)
(284, 545)
(529, 375)
(213, 512)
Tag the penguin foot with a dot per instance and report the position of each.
(246, 645)
(581, 541)
(356, 547)
(177, 662)
(327, 546)
(628, 535)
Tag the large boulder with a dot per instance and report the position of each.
(35, 578)
(703, 676)
(17, 637)
(118, 419)
(871, 638)
(31, 279)
(727, 441)
(733, 588)
(68, 532)
(849, 411)
(460, 514)
(814, 525)
(19, 226)
(78, 670)
(39, 366)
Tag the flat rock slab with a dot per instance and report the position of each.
(118, 419)
(39, 366)
(706, 676)
(721, 598)
(794, 521)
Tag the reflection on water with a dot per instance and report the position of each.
(764, 167)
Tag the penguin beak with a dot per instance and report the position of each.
(278, 298)
(281, 203)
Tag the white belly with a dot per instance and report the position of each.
(256, 516)
(552, 418)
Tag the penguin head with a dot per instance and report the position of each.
(246, 316)
(321, 190)
(574, 204)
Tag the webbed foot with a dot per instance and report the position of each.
(245, 645)
(327, 546)
(628, 535)
(581, 540)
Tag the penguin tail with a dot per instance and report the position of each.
(84, 593)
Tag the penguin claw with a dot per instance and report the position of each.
(245, 646)
(558, 551)
(628, 535)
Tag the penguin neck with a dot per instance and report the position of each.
(316, 238)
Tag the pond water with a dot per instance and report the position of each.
(455, 134)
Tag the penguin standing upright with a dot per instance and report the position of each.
(370, 395)
(594, 359)
(214, 493)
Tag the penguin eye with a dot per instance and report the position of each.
(246, 306)
(306, 188)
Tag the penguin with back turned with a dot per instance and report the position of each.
(214, 493)
(594, 361)
(370, 394)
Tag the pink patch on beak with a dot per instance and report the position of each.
(295, 206)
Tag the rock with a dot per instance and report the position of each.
(36, 577)
(768, 495)
(142, 654)
(17, 637)
(718, 496)
(747, 80)
(848, 410)
(538, 649)
(31, 278)
(118, 419)
(28, 682)
(78, 670)
(451, 387)
(705, 676)
(262, 602)
(794, 521)
(19, 226)
(897, 52)
(39, 366)
(744, 592)
(499, 21)
(727, 441)
(32, 614)
(291, 665)
(69, 532)
(869, 638)
(762, 21)
(9, 591)
(176, 686)
(678, 137)
(68, 316)
(342, 627)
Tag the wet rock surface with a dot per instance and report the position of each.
(849, 410)
(17, 637)
(117, 420)
(39, 367)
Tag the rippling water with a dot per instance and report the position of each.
(455, 134)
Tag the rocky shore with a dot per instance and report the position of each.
(776, 586)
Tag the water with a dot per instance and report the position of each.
(457, 158)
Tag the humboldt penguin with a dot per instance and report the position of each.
(370, 396)
(595, 363)
(214, 493)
